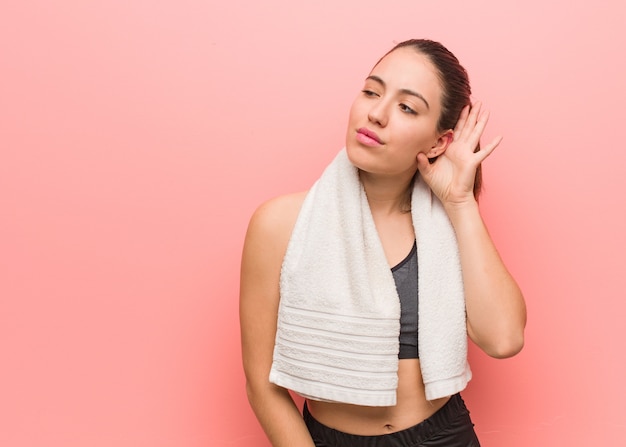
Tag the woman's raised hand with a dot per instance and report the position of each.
(451, 175)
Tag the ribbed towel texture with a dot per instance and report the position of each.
(339, 311)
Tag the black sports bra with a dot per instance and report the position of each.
(405, 277)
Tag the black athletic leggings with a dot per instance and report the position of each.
(450, 426)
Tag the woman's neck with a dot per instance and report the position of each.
(387, 195)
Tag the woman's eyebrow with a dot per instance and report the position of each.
(405, 91)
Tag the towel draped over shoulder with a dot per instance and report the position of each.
(339, 314)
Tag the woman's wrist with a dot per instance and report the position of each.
(460, 207)
(464, 216)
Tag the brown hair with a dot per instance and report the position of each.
(454, 84)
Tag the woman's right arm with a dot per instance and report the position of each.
(264, 248)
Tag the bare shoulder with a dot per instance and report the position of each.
(270, 229)
(276, 217)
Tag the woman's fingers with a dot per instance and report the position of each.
(468, 131)
(466, 123)
(471, 125)
(460, 124)
(478, 128)
(484, 152)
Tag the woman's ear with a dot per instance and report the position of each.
(441, 144)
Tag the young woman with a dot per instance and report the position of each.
(312, 287)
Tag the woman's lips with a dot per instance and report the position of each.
(367, 137)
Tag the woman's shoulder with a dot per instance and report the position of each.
(276, 217)
(281, 206)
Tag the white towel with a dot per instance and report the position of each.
(339, 311)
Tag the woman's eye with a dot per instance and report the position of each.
(407, 109)
(369, 93)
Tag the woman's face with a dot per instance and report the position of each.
(395, 116)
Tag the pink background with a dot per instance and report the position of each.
(137, 137)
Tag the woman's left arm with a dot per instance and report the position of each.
(496, 312)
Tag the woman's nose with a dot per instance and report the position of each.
(378, 114)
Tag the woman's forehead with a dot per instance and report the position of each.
(405, 68)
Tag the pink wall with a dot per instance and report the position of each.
(137, 137)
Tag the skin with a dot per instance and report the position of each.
(406, 125)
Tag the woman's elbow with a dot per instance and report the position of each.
(259, 390)
(256, 390)
(506, 347)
